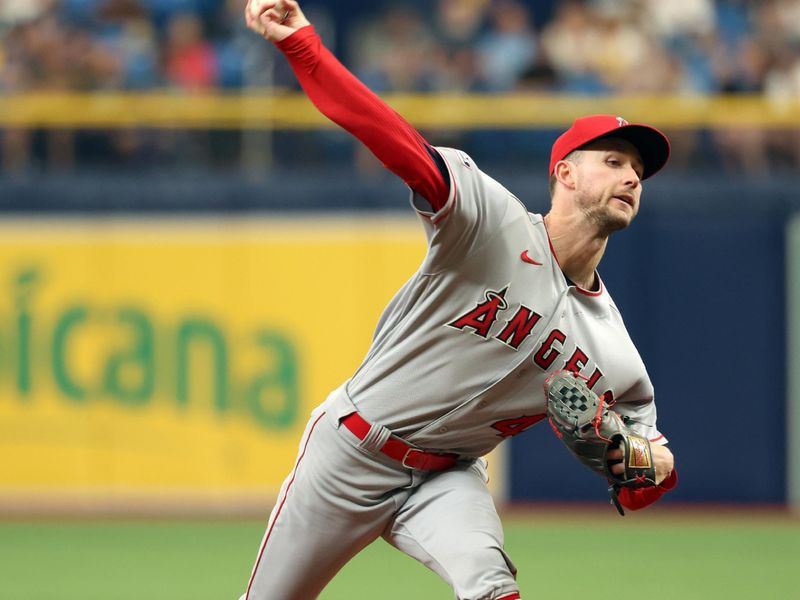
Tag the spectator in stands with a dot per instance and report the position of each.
(621, 49)
(394, 51)
(587, 46)
(190, 62)
(458, 25)
(743, 148)
(17, 12)
(45, 56)
(569, 41)
(509, 46)
(16, 19)
(777, 31)
(675, 19)
(126, 32)
(782, 88)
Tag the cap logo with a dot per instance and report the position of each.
(621, 122)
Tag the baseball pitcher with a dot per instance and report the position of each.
(506, 323)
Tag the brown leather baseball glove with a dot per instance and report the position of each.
(589, 429)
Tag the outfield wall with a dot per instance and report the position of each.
(146, 361)
(151, 356)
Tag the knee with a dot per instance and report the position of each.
(485, 575)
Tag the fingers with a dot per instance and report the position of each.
(290, 13)
(253, 12)
(283, 8)
(614, 459)
(256, 7)
(274, 19)
(273, 14)
(261, 16)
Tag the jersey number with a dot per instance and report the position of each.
(509, 427)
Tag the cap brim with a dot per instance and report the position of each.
(653, 146)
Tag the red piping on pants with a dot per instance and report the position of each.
(277, 514)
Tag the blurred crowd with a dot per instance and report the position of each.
(567, 46)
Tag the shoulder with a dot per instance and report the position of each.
(461, 168)
(456, 158)
(468, 179)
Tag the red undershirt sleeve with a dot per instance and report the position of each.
(350, 104)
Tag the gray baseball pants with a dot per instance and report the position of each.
(341, 496)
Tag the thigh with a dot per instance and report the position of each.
(451, 525)
(334, 502)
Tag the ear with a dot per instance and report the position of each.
(565, 173)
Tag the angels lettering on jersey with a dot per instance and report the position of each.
(518, 326)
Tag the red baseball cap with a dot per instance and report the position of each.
(653, 146)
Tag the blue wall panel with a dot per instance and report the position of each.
(703, 298)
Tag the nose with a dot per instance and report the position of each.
(632, 178)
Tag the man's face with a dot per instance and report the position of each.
(608, 183)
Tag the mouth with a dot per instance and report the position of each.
(626, 198)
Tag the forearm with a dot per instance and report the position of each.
(349, 103)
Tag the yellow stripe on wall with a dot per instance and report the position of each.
(262, 110)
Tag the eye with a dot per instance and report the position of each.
(614, 162)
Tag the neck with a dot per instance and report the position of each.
(577, 246)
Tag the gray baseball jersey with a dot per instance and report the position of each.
(460, 354)
(457, 363)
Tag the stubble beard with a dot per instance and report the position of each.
(603, 218)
